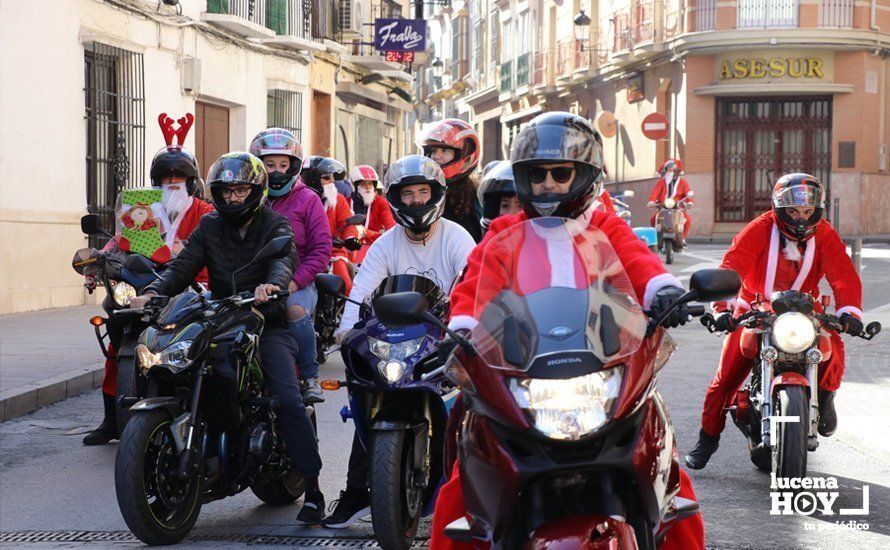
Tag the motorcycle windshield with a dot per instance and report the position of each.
(410, 283)
(554, 294)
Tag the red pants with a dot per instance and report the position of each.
(734, 368)
(109, 381)
(686, 227)
(688, 534)
(341, 269)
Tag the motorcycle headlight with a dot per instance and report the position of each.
(670, 203)
(391, 371)
(793, 332)
(122, 292)
(386, 351)
(174, 357)
(569, 409)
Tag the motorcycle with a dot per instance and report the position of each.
(622, 210)
(785, 338)
(670, 220)
(329, 308)
(207, 430)
(399, 401)
(122, 281)
(565, 440)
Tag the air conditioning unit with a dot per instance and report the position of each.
(351, 18)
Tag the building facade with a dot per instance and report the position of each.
(82, 83)
(752, 89)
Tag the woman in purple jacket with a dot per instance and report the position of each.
(283, 156)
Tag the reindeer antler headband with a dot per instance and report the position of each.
(166, 124)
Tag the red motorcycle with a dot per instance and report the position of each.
(565, 438)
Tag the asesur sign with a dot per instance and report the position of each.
(772, 66)
(400, 35)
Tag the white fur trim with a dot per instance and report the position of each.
(744, 305)
(807, 265)
(657, 283)
(771, 263)
(850, 309)
(462, 322)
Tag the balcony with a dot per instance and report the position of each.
(565, 57)
(506, 81)
(242, 17)
(767, 13)
(291, 23)
(522, 70)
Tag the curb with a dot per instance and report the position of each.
(24, 399)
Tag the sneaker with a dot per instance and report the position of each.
(700, 454)
(350, 507)
(312, 511)
(312, 392)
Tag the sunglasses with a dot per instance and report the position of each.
(560, 174)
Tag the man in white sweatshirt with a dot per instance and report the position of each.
(422, 243)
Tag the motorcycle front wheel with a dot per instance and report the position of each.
(395, 501)
(669, 252)
(789, 453)
(158, 506)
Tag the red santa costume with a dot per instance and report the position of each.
(768, 262)
(337, 216)
(647, 275)
(379, 219)
(677, 189)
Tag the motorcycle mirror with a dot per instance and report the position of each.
(90, 225)
(277, 248)
(327, 283)
(357, 219)
(401, 309)
(628, 194)
(138, 263)
(710, 285)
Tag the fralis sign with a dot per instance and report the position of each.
(400, 35)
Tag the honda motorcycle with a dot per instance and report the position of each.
(399, 401)
(330, 309)
(565, 441)
(787, 340)
(122, 281)
(670, 220)
(207, 429)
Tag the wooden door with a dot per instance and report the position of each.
(321, 123)
(211, 134)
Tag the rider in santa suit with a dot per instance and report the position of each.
(789, 247)
(557, 170)
(367, 201)
(672, 185)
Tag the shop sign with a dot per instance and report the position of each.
(400, 35)
(789, 66)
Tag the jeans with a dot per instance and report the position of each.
(278, 351)
(304, 331)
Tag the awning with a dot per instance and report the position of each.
(789, 88)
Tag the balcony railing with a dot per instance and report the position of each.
(522, 70)
(565, 56)
(252, 10)
(704, 15)
(767, 13)
(288, 17)
(540, 71)
(836, 13)
(506, 77)
(642, 21)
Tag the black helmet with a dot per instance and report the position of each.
(174, 159)
(411, 170)
(497, 183)
(234, 169)
(552, 138)
(798, 190)
(315, 166)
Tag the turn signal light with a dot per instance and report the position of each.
(97, 321)
(331, 385)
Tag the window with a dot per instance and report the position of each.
(287, 16)
(285, 110)
(115, 128)
(323, 25)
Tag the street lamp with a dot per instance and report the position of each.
(582, 28)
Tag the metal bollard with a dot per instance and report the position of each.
(856, 254)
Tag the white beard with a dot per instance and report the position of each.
(791, 252)
(367, 196)
(176, 201)
(330, 196)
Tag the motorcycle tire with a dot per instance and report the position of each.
(789, 452)
(281, 490)
(145, 444)
(392, 493)
(669, 252)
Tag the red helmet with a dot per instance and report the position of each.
(454, 134)
(802, 191)
(676, 164)
(364, 172)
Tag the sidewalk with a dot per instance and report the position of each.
(47, 356)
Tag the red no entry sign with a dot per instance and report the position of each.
(656, 126)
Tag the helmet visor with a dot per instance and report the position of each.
(557, 142)
(227, 171)
(414, 169)
(799, 195)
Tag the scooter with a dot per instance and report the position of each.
(565, 442)
(399, 401)
(670, 220)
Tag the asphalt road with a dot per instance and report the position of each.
(53, 486)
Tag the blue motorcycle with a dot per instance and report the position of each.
(646, 234)
(399, 401)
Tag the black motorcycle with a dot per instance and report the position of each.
(207, 429)
(122, 281)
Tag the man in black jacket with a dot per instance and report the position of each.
(224, 241)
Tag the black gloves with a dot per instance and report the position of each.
(352, 244)
(725, 322)
(447, 346)
(851, 324)
(663, 300)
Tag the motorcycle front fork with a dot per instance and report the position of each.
(767, 364)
